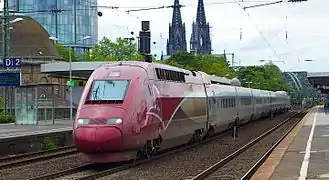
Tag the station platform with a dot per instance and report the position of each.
(12, 130)
(304, 153)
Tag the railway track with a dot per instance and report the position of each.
(244, 162)
(92, 171)
(28, 158)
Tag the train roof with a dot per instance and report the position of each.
(209, 79)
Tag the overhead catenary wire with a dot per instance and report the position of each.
(259, 31)
(128, 10)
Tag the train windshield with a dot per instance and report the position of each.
(108, 90)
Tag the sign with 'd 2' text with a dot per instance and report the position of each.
(12, 62)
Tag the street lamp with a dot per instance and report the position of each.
(70, 71)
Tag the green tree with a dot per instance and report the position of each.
(65, 53)
(267, 77)
(1, 102)
(107, 50)
(201, 62)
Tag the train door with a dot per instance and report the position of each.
(207, 103)
(236, 104)
(271, 104)
(253, 102)
(157, 104)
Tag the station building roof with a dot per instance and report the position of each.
(30, 40)
(319, 80)
(80, 69)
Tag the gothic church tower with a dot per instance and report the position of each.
(200, 39)
(177, 38)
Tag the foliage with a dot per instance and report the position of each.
(267, 77)
(65, 53)
(1, 102)
(48, 144)
(107, 50)
(6, 118)
(201, 62)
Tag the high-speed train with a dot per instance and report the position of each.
(133, 109)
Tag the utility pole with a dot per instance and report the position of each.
(75, 20)
(6, 40)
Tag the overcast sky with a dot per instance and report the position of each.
(263, 30)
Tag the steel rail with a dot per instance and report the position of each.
(230, 157)
(127, 165)
(158, 156)
(255, 167)
(64, 172)
(22, 159)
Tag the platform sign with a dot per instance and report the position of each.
(70, 83)
(10, 78)
(11, 62)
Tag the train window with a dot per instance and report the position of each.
(167, 75)
(108, 90)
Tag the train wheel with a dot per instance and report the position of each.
(211, 132)
(148, 151)
(251, 118)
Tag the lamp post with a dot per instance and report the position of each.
(70, 72)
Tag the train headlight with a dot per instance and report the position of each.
(83, 121)
(114, 121)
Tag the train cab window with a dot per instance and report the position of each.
(108, 90)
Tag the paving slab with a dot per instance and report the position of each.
(304, 153)
(12, 130)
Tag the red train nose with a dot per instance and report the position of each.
(98, 139)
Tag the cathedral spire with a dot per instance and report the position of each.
(201, 15)
(176, 17)
(200, 38)
(177, 37)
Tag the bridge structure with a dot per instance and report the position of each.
(320, 80)
(299, 88)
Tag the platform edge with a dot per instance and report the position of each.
(266, 170)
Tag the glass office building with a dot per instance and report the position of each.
(67, 20)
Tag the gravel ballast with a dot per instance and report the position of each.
(190, 162)
(239, 166)
(178, 166)
(41, 168)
